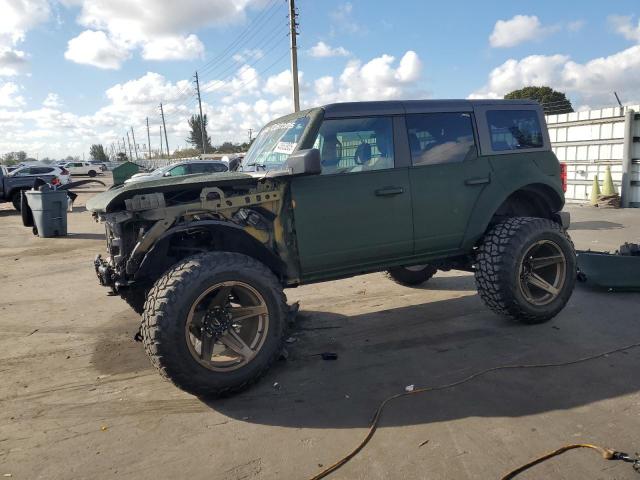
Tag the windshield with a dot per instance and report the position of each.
(274, 144)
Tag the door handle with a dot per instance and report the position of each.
(388, 191)
(477, 181)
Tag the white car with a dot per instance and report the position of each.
(82, 168)
(61, 173)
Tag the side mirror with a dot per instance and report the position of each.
(304, 162)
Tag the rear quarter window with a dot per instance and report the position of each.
(514, 129)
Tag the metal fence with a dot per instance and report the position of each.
(590, 140)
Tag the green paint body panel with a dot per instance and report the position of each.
(338, 225)
(343, 221)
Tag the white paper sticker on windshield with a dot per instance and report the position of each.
(285, 147)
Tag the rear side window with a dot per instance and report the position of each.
(440, 137)
(514, 129)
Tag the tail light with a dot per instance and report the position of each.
(64, 171)
(563, 176)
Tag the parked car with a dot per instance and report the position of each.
(60, 173)
(404, 187)
(11, 186)
(82, 168)
(180, 169)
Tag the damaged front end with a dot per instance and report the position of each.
(149, 228)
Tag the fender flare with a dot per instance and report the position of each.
(243, 243)
(486, 208)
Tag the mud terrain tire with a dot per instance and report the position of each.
(501, 268)
(409, 277)
(167, 310)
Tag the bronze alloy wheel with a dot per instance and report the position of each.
(227, 326)
(543, 271)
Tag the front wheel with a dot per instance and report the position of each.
(214, 323)
(526, 269)
(92, 173)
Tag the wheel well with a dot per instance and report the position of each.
(181, 242)
(531, 201)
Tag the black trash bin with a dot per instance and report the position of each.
(49, 209)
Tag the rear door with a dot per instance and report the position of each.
(447, 177)
(357, 213)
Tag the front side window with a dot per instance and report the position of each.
(514, 129)
(356, 144)
(440, 137)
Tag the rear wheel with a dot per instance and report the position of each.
(92, 173)
(525, 269)
(214, 323)
(412, 276)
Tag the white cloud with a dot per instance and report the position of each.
(591, 82)
(248, 54)
(279, 84)
(623, 24)
(375, 80)
(160, 30)
(9, 96)
(52, 101)
(19, 16)
(342, 18)
(173, 48)
(519, 29)
(97, 49)
(576, 25)
(12, 62)
(322, 50)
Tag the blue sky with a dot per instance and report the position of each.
(76, 72)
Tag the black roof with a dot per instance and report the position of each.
(398, 107)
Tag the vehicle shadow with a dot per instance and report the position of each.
(381, 352)
(85, 236)
(463, 282)
(595, 225)
(9, 212)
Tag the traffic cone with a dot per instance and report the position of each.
(595, 191)
(607, 186)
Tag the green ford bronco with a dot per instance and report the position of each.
(407, 187)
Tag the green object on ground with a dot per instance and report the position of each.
(607, 186)
(49, 209)
(602, 269)
(124, 172)
(595, 191)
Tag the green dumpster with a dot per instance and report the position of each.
(49, 209)
(123, 172)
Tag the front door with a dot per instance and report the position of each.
(447, 177)
(357, 213)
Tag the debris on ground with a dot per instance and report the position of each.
(409, 388)
(329, 356)
(276, 385)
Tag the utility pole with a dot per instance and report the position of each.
(165, 130)
(293, 25)
(160, 141)
(202, 130)
(135, 145)
(130, 152)
(124, 148)
(250, 134)
(148, 140)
